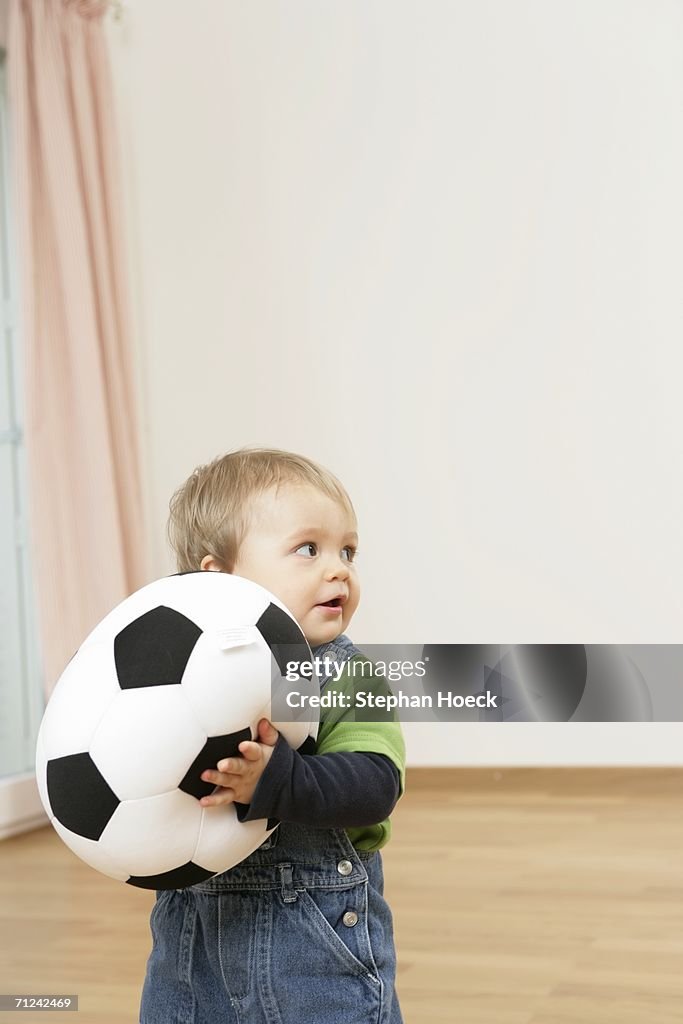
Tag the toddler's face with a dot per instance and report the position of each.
(300, 546)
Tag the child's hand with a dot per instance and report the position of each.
(239, 776)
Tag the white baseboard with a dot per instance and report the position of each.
(20, 806)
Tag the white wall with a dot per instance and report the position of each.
(437, 246)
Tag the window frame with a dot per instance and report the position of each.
(21, 704)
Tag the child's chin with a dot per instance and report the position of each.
(324, 636)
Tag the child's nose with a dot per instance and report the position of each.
(337, 569)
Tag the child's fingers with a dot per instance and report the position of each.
(231, 766)
(267, 733)
(225, 779)
(221, 796)
(250, 751)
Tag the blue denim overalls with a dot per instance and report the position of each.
(297, 933)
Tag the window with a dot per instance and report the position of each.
(21, 699)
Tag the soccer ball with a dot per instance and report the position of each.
(170, 682)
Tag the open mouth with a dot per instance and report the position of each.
(334, 603)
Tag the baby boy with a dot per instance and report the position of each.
(300, 930)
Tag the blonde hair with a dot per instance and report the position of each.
(209, 513)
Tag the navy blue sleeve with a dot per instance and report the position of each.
(341, 790)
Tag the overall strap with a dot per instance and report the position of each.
(339, 650)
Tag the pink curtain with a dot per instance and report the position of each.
(82, 433)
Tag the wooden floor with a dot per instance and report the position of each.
(520, 896)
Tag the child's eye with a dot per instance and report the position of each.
(308, 544)
(352, 552)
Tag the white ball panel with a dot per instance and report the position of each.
(298, 723)
(146, 741)
(83, 693)
(153, 835)
(226, 688)
(92, 852)
(224, 841)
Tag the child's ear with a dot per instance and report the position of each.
(209, 563)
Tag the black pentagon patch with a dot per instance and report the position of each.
(242, 810)
(154, 649)
(283, 636)
(308, 746)
(213, 751)
(176, 878)
(79, 796)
